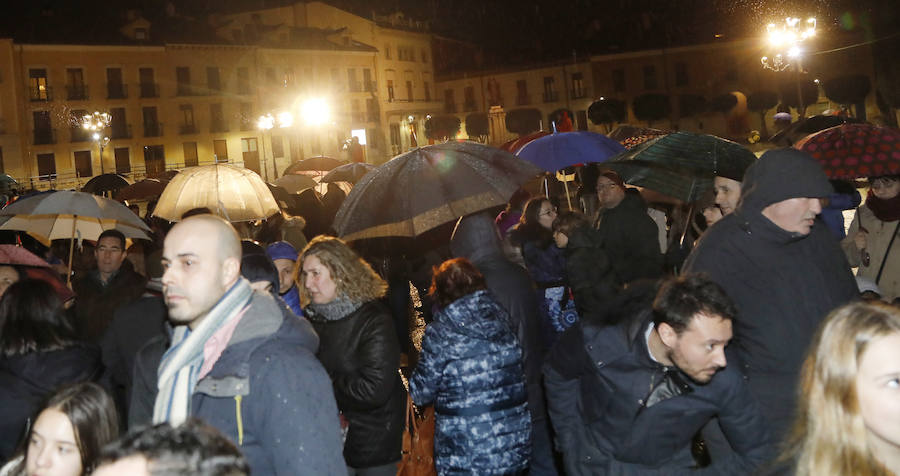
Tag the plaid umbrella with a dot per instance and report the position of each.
(853, 151)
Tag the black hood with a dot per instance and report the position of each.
(476, 238)
(778, 175)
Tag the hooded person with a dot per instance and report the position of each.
(782, 268)
(284, 256)
(477, 238)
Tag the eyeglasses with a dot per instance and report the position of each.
(549, 212)
(606, 187)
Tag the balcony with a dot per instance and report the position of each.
(371, 86)
(523, 101)
(120, 131)
(185, 90)
(218, 126)
(153, 129)
(41, 93)
(76, 92)
(44, 136)
(79, 134)
(187, 129)
(243, 87)
(551, 96)
(356, 87)
(116, 91)
(149, 90)
(579, 93)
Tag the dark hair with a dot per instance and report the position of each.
(680, 299)
(93, 416)
(256, 267)
(251, 247)
(32, 319)
(567, 222)
(112, 233)
(454, 279)
(196, 211)
(191, 449)
(528, 228)
(518, 199)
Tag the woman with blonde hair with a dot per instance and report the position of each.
(340, 294)
(849, 411)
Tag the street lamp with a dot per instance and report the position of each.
(787, 42)
(97, 122)
(267, 122)
(315, 111)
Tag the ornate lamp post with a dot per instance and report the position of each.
(97, 122)
(265, 123)
(787, 42)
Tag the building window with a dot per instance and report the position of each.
(277, 146)
(390, 88)
(152, 127)
(77, 131)
(427, 87)
(246, 116)
(424, 56)
(681, 74)
(83, 164)
(371, 110)
(46, 166)
(352, 83)
(187, 119)
(522, 92)
(270, 76)
(243, 80)
(190, 154)
(469, 98)
(217, 118)
(114, 87)
(183, 78)
(550, 94)
(395, 137)
(368, 84)
(250, 153)
(650, 77)
(387, 51)
(148, 84)
(123, 161)
(220, 150)
(449, 101)
(213, 81)
(356, 113)
(118, 124)
(618, 77)
(37, 81)
(154, 159)
(43, 130)
(409, 91)
(577, 85)
(287, 79)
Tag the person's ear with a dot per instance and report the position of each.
(231, 270)
(667, 334)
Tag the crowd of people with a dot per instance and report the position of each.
(555, 342)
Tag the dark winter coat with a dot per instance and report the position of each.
(631, 239)
(471, 370)
(96, 302)
(269, 384)
(545, 262)
(362, 356)
(783, 283)
(589, 270)
(598, 378)
(27, 380)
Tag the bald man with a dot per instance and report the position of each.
(236, 359)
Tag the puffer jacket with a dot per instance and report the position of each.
(471, 369)
(362, 355)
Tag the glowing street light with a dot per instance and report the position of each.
(787, 39)
(97, 122)
(315, 111)
(267, 122)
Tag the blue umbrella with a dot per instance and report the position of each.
(565, 149)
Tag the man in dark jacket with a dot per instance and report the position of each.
(628, 398)
(588, 267)
(629, 235)
(476, 238)
(783, 270)
(102, 290)
(236, 359)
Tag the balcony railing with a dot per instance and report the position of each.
(122, 131)
(153, 129)
(218, 126)
(116, 91)
(355, 86)
(44, 136)
(551, 96)
(41, 94)
(185, 90)
(187, 129)
(149, 90)
(579, 93)
(76, 92)
(371, 86)
(79, 134)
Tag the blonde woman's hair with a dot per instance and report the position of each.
(352, 276)
(830, 436)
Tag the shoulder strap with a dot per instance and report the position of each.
(887, 252)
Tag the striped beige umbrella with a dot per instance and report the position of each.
(234, 193)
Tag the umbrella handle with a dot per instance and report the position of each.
(71, 252)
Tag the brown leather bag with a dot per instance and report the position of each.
(418, 442)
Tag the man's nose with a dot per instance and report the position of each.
(815, 205)
(719, 359)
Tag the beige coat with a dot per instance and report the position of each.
(877, 241)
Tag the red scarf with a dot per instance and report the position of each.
(884, 210)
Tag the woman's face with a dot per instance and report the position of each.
(52, 449)
(317, 281)
(885, 188)
(8, 276)
(878, 389)
(547, 214)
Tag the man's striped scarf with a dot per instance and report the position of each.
(181, 363)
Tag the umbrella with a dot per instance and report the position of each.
(627, 131)
(143, 190)
(105, 183)
(68, 214)
(853, 151)
(295, 183)
(637, 140)
(348, 173)
(319, 163)
(17, 255)
(280, 195)
(514, 145)
(682, 164)
(234, 193)
(800, 129)
(7, 183)
(165, 176)
(564, 149)
(430, 186)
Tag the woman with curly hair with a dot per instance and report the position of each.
(340, 294)
(849, 413)
(471, 370)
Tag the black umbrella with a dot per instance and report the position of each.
(105, 183)
(319, 163)
(429, 186)
(348, 173)
(800, 129)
